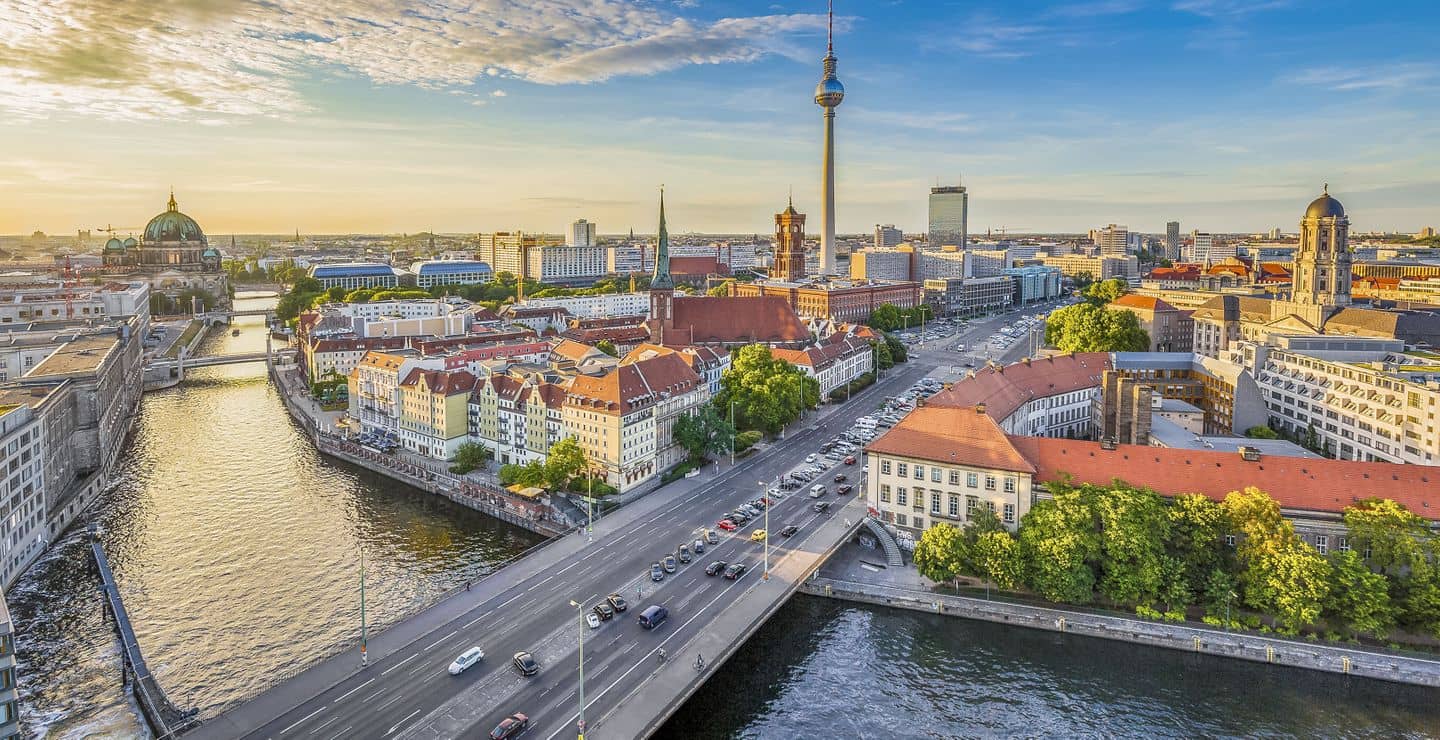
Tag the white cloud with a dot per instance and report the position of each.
(1401, 76)
(498, 94)
(129, 59)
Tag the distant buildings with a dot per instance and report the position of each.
(1102, 267)
(173, 255)
(451, 272)
(582, 234)
(970, 296)
(1208, 248)
(1113, 240)
(1172, 241)
(507, 251)
(355, 275)
(1169, 328)
(887, 236)
(949, 216)
(596, 306)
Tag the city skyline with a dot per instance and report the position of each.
(1060, 117)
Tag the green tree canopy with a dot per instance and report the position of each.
(1261, 432)
(704, 433)
(565, 460)
(1279, 573)
(940, 553)
(1060, 545)
(1358, 597)
(470, 456)
(608, 347)
(1086, 327)
(1106, 291)
(768, 393)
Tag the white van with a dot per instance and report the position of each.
(816, 490)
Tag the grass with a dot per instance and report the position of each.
(186, 337)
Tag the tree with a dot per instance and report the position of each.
(1086, 327)
(939, 555)
(1358, 597)
(335, 293)
(768, 393)
(703, 433)
(565, 460)
(469, 456)
(1394, 537)
(1197, 538)
(1134, 526)
(897, 349)
(1279, 573)
(721, 290)
(608, 347)
(1106, 291)
(1059, 544)
(996, 558)
(1260, 431)
(886, 317)
(531, 474)
(884, 358)
(1083, 279)
(359, 295)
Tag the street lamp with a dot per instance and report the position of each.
(766, 509)
(733, 433)
(580, 611)
(364, 658)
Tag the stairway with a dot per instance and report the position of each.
(893, 556)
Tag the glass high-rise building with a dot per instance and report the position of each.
(949, 206)
(1172, 240)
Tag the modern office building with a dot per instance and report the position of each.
(887, 236)
(506, 251)
(949, 216)
(450, 272)
(565, 264)
(1172, 241)
(1034, 283)
(355, 275)
(1102, 267)
(582, 234)
(1206, 247)
(596, 306)
(970, 296)
(1113, 239)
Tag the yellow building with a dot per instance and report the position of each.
(434, 406)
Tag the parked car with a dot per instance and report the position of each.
(684, 553)
(726, 524)
(789, 531)
(669, 563)
(656, 572)
(849, 459)
(617, 603)
(698, 546)
(525, 663)
(468, 658)
(757, 535)
(841, 477)
(714, 567)
(592, 620)
(604, 611)
(711, 537)
(510, 727)
(734, 572)
(810, 458)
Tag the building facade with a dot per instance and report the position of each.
(1169, 328)
(355, 275)
(451, 272)
(949, 216)
(434, 411)
(582, 234)
(888, 236)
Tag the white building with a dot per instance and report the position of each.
(450, 272)
(832, 364)
(1209, 248)
(22, 529)
(1049, 397)
(355, 275)
(43, 299)
(597, 306)
(566, 264)
(582, 234)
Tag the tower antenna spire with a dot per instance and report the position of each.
(830, 27)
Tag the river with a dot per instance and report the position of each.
(237, 550)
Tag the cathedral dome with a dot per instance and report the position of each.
(114, 245)
(1325, 207)
(173, 226)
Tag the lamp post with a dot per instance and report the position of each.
(364, 658)
(580, 611)
(766, 575)
(733, 434)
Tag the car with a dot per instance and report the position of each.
(849, 459)
(510, 727)
(616, 602)
(698, 546)
(669, 563)
(726, 525)
(739, 517)
(810, 458)
(714, 567)
(734, 572)
(604, 611)
(525, 663)
(711, 537)
(468, 658)
(757, 535)
(821, 506)
(684, 553)
(841, 477)
(593, 621)
(816, 490)
(789, 531)
(772, 491)
(656, 572)
(842, 490)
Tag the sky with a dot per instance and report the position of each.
(482, 115)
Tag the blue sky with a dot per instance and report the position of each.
(475, 115)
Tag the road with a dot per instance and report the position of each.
(409, 692)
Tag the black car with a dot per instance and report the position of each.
(715, 567)
(510, 727)
(842, 490)
(525, 663)
(841, 478)
(617, 603)
(821, 505)
(604, 611)
(734, 572)
(788, 531)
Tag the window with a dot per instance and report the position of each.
(919, 499)
(1344, 544)
(1009, 485)
(989, 482)
(885, 467)
(934, 504)
(902, 469)
(954, 477)
(901, 497)
(919, 472)
(934, 474)
(972, 480)
(971, 502)
(919, 522)
(900, 519)
(1230, 540)
(1322, 543)
(954, 505)
(884, 493)
(1009, 517)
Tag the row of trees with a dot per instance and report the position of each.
(1132, 548)
(888, 317)
(563, 469)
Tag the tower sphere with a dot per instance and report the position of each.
(829, 93)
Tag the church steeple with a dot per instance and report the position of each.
(172, 206)
(661, 279)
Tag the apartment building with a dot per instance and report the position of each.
(22, 461)
(9, 694)
(970, 296)
(1049, 397)
(518, 417)
(596, 306)
(1169, 328)
(506, 251)
(833, 363)
(41, 299)
(1112, 239)
(434, 411)
(1102, 267)
(565, 263)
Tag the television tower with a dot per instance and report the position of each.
(828, 95)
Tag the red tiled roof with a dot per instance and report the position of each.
(734, 320)
(1178, 272)
(442, 382)
(1004, 390)
(1304, 484)
(1143, 302)
(958, 436)
(633, 385)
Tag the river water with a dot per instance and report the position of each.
(237, 551)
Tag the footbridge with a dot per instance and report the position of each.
(221, 317)
(537, 604)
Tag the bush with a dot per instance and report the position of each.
(1145, 612)
(678, 472)
(745, 440)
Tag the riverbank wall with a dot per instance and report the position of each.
(1257, 648)
(496, 503)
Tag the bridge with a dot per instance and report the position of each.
(220, 316)
(406, 692)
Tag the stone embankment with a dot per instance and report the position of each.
(1245, 646)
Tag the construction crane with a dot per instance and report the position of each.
(68, 283)
(109, 231)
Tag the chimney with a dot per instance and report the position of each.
(980, 409)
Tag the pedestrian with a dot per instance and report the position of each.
(467, 585)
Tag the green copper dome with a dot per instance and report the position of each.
(114, 245)
(173, 226)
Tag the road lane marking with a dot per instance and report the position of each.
(568, 567)
(538, 585)
(398, 697)
(397, 665)
(437, 642)
(336, 718)
(473, 621)
(302, 720)
(372, 696)
(351, 691)
(392, 730)
(340, 734)
(507, 601)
